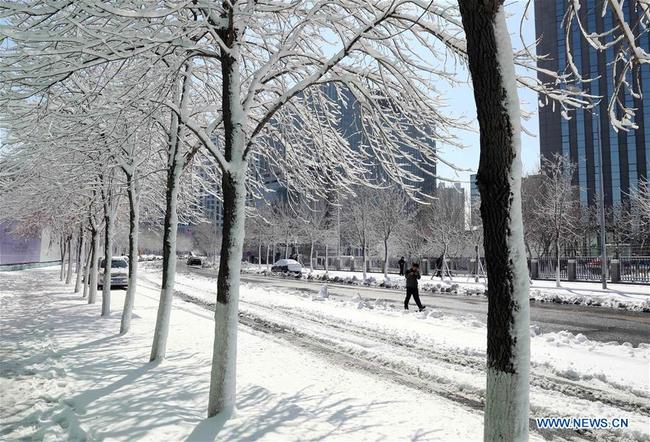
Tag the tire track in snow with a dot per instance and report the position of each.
(350, 344)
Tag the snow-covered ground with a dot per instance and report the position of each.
(68, 375)
(310, 368)
(627, 296)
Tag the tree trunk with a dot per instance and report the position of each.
(134, 226)
(273, 257)
(445, 265)
(557, 262)
(385, 258)
(268, 247)
(491, 66)
(363, 252)
(327, 258)
(159, 346)
(80, 259)
(311, 257)
(224, 354)
(62, 249)
(68, 276)
(86, 269)
(175, 165)
(92, 295)
(108, 254)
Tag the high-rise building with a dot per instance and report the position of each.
(625, 155)
(452, 196)
(350, 127)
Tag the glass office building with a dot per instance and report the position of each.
(625, 155)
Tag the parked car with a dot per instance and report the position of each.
(119, 273)
(287, 266)
(194, 261)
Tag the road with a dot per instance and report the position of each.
(596, 323)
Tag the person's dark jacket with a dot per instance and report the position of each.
(401, 263)
(412, 277)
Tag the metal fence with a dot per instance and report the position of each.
(588, 269)
(636, 269)
(625, 269)
(547, 268)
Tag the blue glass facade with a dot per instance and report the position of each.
(587, 137)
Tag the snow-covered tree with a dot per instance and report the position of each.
(270, 77)
(390, 207)
(256, 233)
(558, 205)
(537, 235)
(358, 216)
(207, 239)
(412, 240)
(640, 198)
(445, 228)
(315, 223)
(640, 213)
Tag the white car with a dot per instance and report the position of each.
(119, 273)
(287, 266)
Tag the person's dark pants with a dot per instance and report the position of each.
(412, 291)
(401, 271)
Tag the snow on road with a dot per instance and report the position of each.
(571, 375)
(628, 296)
(309, 368)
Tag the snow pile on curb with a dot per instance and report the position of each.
(594, 300)
(576, 294)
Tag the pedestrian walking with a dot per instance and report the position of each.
(401, 263)
(439, 264)
(412, 275)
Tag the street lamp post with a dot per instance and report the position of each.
(601, 208)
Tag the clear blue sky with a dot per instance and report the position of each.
(461, 102)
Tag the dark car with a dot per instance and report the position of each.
(194, 261)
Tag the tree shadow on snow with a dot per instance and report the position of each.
(262, 413)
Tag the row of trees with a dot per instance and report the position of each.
(381, 223)
(375, 222)
(109, 101)
(559, 224)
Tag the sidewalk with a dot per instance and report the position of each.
(67, 375)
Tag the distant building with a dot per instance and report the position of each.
(33, 248)
(452, 195)
(474, 201)
(626, 155)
